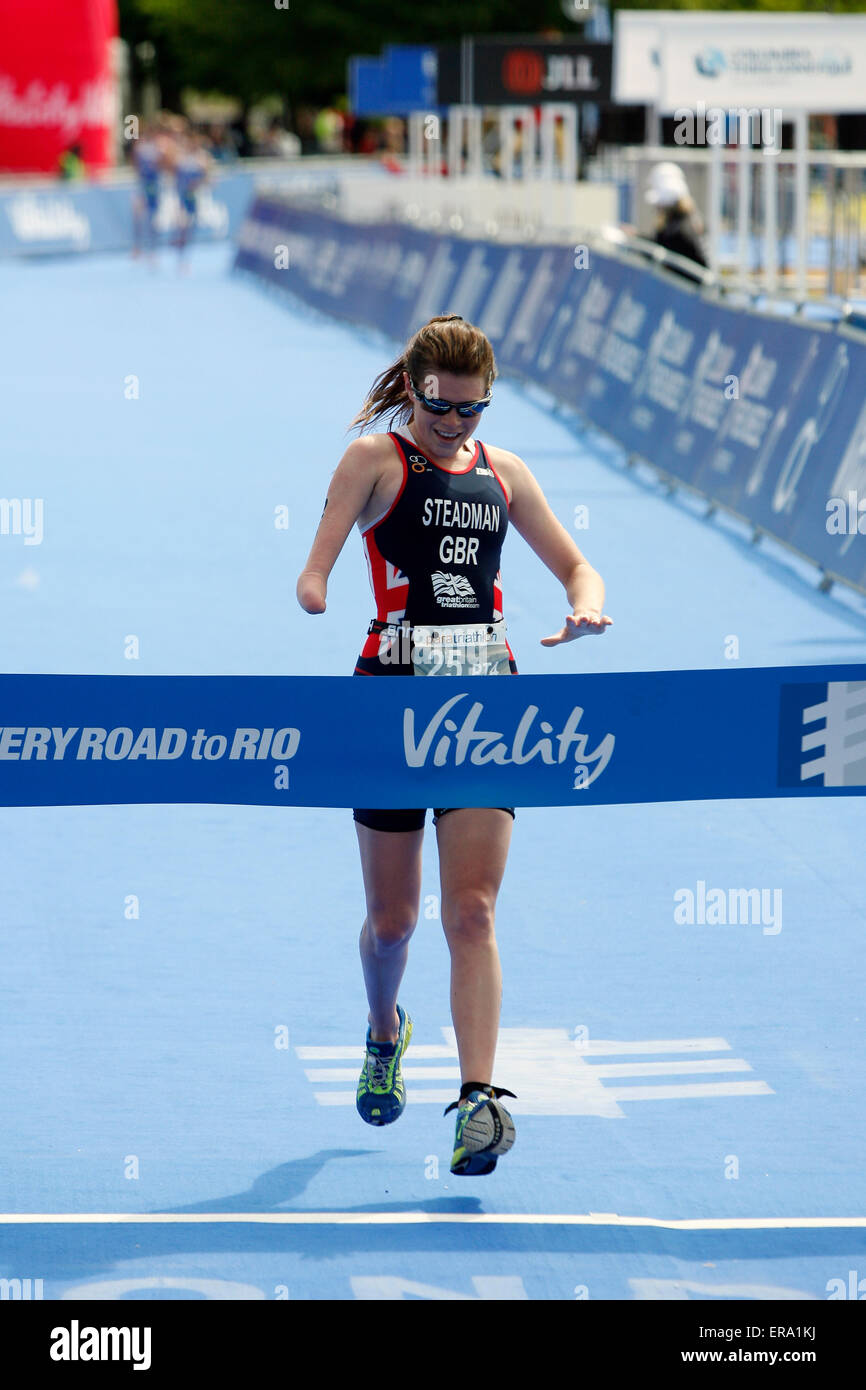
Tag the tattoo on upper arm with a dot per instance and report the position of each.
(325, 508)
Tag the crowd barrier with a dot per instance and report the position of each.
(54, 217)
(521, 741)
(763, 415)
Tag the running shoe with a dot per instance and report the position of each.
(485, 1130)
(381, 1097)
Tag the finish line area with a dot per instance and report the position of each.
(183, 1011)
(439, 1255)
(436, 1255)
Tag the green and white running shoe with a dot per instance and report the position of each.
(381, 1096)
(485, 1130)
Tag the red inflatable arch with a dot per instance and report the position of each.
(56, 83)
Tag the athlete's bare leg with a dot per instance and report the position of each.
(391, 864)
(473, 847)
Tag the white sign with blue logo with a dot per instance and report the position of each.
(791, 61)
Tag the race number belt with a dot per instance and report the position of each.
(446, 649)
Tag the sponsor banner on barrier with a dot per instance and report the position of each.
(452, 267)
(754, 411)
(822, 479)
(554, 364)
(500, 310)
(535, 310)
(593, 372)
(60, 218)
(417, 254)
(477, 280)
(403, 742)
(763, 370)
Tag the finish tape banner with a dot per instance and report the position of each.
(344, 741)
(758, 413)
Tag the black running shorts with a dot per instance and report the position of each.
(407, 820)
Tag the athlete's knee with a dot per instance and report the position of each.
(391, 924)
(469, 914)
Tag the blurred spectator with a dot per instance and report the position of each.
(491, 146)
(70, 164)
(367, 138)
(305, 125)
(278, 143)
(394, 134)
(191, 168)
(341, 106)
(393, 144)
(222, 144)
(328, 128)
(152, 155)
(678, 227)
(239, 136)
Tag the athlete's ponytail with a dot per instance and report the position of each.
(446, 343)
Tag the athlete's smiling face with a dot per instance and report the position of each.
(442, 436)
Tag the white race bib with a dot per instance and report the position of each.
(461, 649)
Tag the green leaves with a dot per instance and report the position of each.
(250, 49)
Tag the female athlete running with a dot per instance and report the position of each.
(432, 506)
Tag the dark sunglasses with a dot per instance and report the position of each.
(440, 407)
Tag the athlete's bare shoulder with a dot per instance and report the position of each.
(368, 458)
(368, 449)
(509, 466)
(373, 459)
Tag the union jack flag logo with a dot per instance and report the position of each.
(451, 585)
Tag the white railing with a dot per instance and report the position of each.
(789, 222)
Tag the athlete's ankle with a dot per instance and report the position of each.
(384, 1033)
(469, 1086)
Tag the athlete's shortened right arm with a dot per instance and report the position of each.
(351, 488)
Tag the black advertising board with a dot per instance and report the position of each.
(448, 74)
(523, 71)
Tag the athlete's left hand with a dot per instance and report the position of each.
(579, 624)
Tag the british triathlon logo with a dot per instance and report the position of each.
(453, 738)
(453, 590)
(822, 734)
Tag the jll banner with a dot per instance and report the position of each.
(57, 90)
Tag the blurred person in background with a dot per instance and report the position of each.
(328, 128)
(678, 226)
(237, 138)
(222, 144)
(393, 144)
(278, 143)
(190, 167)
(368, 138)
(70, 165)
(341, 106)
(491, 145)
(305, 125)
(353, 130)
(150, 157)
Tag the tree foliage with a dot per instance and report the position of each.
(256, 48)
(252, 49)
